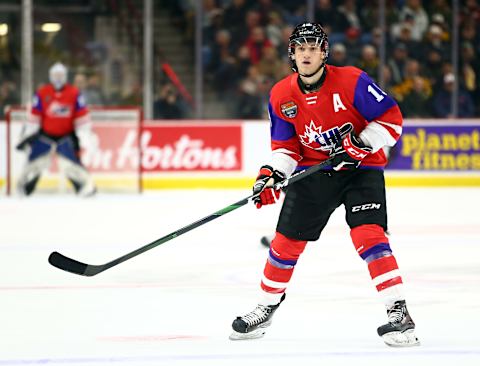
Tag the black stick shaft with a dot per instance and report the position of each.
(71, 265)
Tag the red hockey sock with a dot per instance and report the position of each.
(283, 255)
(372, 245)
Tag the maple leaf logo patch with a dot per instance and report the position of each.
(314, 138)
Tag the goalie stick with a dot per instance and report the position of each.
(71, 265)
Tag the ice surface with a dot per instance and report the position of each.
(174, 304)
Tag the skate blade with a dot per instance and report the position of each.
(399, 339)
(257, 333)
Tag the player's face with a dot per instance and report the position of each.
(308, 57)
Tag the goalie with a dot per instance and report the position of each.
(59, 124)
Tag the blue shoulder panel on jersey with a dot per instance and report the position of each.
(280, 129)
(80, 103)
(369, 99)
(37, 103)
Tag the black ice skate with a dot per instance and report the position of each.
(400, 329)
(253, 324)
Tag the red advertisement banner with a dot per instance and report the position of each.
(192, 148)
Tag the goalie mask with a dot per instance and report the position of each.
(58, 75)
(303, 33)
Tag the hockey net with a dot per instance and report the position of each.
(112, 156)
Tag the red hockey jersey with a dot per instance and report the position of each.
(59, 112)
(308, 126)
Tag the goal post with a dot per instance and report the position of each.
(112, 157)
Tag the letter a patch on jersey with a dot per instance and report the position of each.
(337, 103)
(289, 109)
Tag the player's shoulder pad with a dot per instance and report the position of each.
(282, 88)
(344, 73)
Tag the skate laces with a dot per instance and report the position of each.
(396, 313)
(258, 315)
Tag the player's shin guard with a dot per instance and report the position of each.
(373, 247)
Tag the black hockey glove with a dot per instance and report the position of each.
(350, 153)
(26, 142)
(263, 186)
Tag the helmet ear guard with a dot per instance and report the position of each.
(301, 34)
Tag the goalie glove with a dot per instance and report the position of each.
(30, 132)
(350, 153)
(86, 136)
(266, 179)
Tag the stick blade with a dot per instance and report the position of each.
(68, 264)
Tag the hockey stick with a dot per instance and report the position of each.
(71, 265)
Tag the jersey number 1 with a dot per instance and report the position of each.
(379, 97)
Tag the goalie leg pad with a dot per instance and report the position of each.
(31, 174)
(79, 176)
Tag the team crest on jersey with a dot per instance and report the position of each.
(314, 138)
(58, 109)
(289, 109)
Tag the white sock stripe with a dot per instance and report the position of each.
(392, 294)
(386, 276)
(273, 284)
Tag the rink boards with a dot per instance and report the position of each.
(227, 154)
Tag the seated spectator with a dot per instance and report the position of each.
(433, 67)
(90, 88)
(252, 93)
(325, 14)
(353, 44)
(398, 61)
(415, 14)
(412, 70)
(168, 105)
(434, 40)
(222, 62)
(369, 61)
(338, 55)
(256, 43)
(442, 102)
(270, 65)
(416, 102)
(274, 28)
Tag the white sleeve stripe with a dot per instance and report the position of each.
(283, 162)
(284, 151)
(396, 128)
(377, 136)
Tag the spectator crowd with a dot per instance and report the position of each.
(245, 50)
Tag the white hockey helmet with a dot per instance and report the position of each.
(58, 75)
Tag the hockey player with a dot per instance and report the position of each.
(59, 124)
(320, 112)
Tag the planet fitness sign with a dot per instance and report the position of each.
(438, 147)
